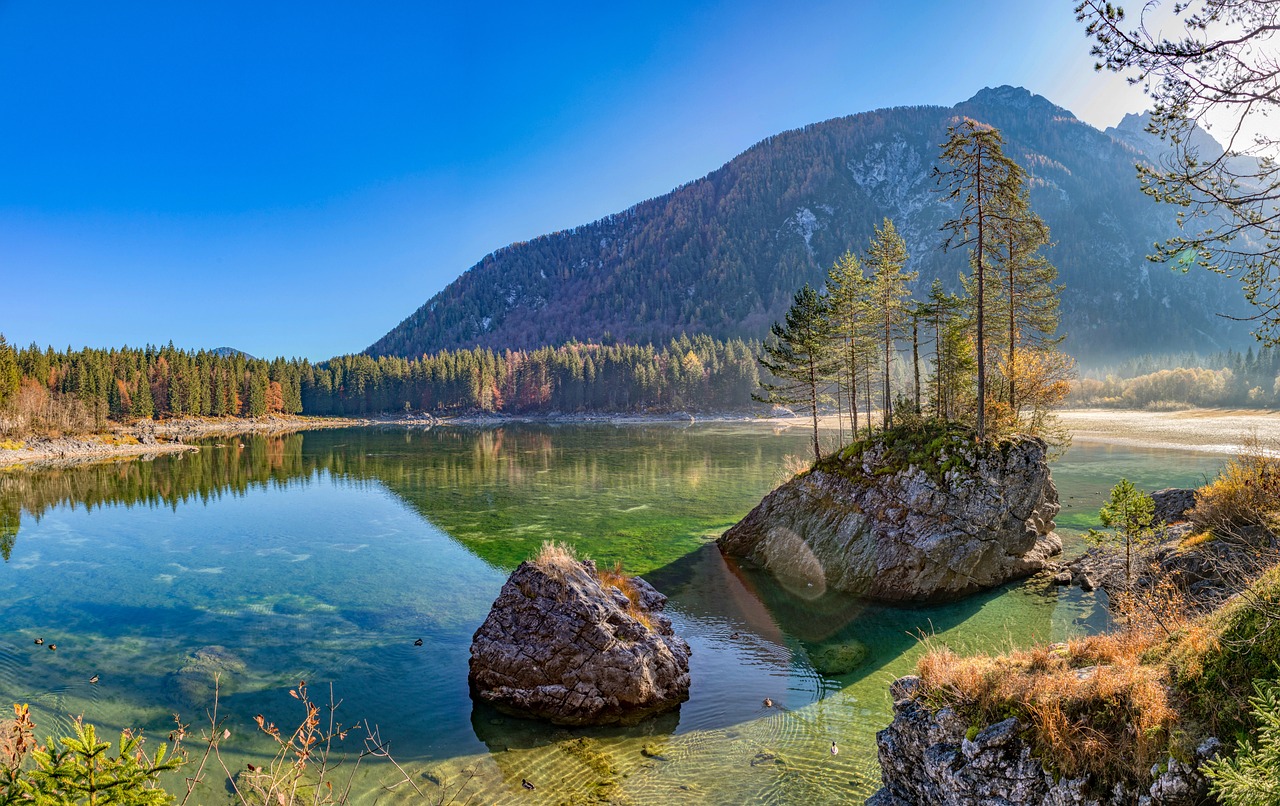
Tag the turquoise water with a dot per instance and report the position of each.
(322, 557)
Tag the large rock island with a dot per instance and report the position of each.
(574, 645)
(913, 515)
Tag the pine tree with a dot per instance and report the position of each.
(849, 301)
(976, 178)
(10, 376)
(887, 257)
(800, 356)
(1027, 305)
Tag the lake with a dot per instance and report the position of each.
(323, 556)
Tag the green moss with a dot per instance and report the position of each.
(972, 732)
(935, 446)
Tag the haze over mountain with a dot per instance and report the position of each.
(724, 254)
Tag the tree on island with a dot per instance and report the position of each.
(977, 178)
(887, 257)
(1223, 68)
(849, 300)
(1025, 311)
(800, 357)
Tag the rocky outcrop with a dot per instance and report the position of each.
(1172, 504)
(560, 644)
(933, 756)
(880, 521)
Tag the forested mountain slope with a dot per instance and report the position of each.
(724, 254)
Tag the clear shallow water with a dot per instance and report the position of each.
(323, 556)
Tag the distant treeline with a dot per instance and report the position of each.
(76, 390)
(1244, 380)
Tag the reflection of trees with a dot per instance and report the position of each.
(10, 513)
(638, 495)
(167, 481)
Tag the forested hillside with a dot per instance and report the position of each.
(45, 391)
(723, 255)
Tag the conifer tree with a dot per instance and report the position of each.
(9, 373)
(1027, 305)
(849, 300)
(887, 257)
(975, 179)
(800, 356)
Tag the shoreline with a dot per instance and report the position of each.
(1202, 430)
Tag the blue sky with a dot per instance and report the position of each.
(295, 179)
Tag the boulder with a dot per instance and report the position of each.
(918, 518)
(561, 644)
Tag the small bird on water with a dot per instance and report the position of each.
(835, 751)
(768, 703)
(39, 642)
(52, 647)
(94, 679)
(418, 642)
(524, 782)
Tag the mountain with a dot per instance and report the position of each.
(724, 254)
(228, 352)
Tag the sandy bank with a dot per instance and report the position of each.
(147, 439)
(1209, 430)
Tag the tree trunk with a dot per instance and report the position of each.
(813, 406)
(915, 356)
(888, 405)
(979, 272)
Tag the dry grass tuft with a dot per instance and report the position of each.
(619, 579)
(557, 557)
(1092, 707)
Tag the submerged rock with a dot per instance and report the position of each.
(840, 658)
(207, 669)
(880, 521)
(560, 644)
(933, 755)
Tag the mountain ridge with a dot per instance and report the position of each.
(723, 254)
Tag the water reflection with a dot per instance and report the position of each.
(323, 556)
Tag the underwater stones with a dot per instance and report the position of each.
(870, 524)
(205, 669)
(559, 644)
(839, 659)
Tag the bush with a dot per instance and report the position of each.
(1245, 494)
